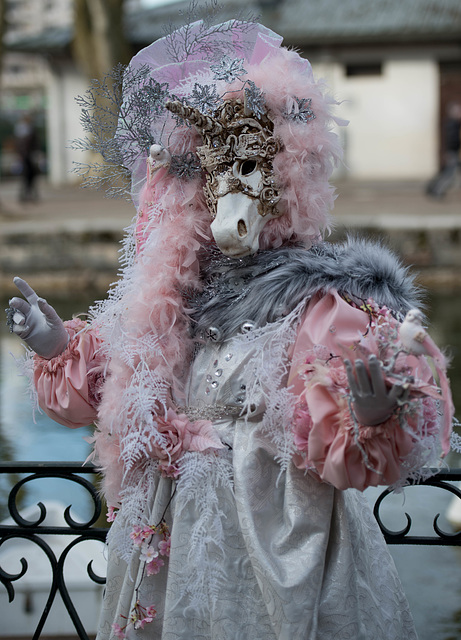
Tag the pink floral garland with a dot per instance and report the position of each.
(153, 541)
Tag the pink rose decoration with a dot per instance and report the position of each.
(182, 435)
(337, 373)
(302, 426)
(169, 470)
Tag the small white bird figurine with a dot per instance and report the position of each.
(414, 336)
(158, 157)
(416, 340)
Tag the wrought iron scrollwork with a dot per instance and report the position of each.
(441, 480)
(33, 530)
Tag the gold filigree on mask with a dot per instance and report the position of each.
(237, 153)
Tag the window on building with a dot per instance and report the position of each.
(15, 69)
(364, 69)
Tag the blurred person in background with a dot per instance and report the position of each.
(26, 147)
(446, 178)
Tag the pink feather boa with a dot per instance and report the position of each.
(166, 266)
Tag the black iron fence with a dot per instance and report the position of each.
(37, 531)
(40, 533)
(447, 480)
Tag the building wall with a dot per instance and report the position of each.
(24, 77)
(394, 115)
(63, 121)
(393, 118)
(34, 16)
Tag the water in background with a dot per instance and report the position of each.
(431, 575)
(27, 434)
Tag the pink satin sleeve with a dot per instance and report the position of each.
(68, 385)
(329, 322)
(330, 444)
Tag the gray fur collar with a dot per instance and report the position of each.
(263, 287)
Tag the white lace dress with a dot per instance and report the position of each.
(259, 549)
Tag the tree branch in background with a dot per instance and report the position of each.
(101, 51)
(99, 41)
(2, 34)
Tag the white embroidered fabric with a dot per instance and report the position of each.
(256, 553)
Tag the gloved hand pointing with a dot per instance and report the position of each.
(36, 322)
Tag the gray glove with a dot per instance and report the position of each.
(373, 402)
(37, 323)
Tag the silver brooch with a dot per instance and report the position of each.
(301, 112)
(247, 327)
(186, 166)
(204, 97)
(213, 334)
(254, 100)
(228, 69)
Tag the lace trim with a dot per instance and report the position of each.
(26, 368)
(268, 370)
(455, 441)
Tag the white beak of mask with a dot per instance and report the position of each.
(240, 215)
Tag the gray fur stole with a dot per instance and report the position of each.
(263, 287)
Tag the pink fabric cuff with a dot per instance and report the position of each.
(68, 385)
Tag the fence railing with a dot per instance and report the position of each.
(39, 532)
(442, 480)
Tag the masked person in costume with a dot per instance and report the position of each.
(245, 377)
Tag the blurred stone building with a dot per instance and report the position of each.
(393, 65)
